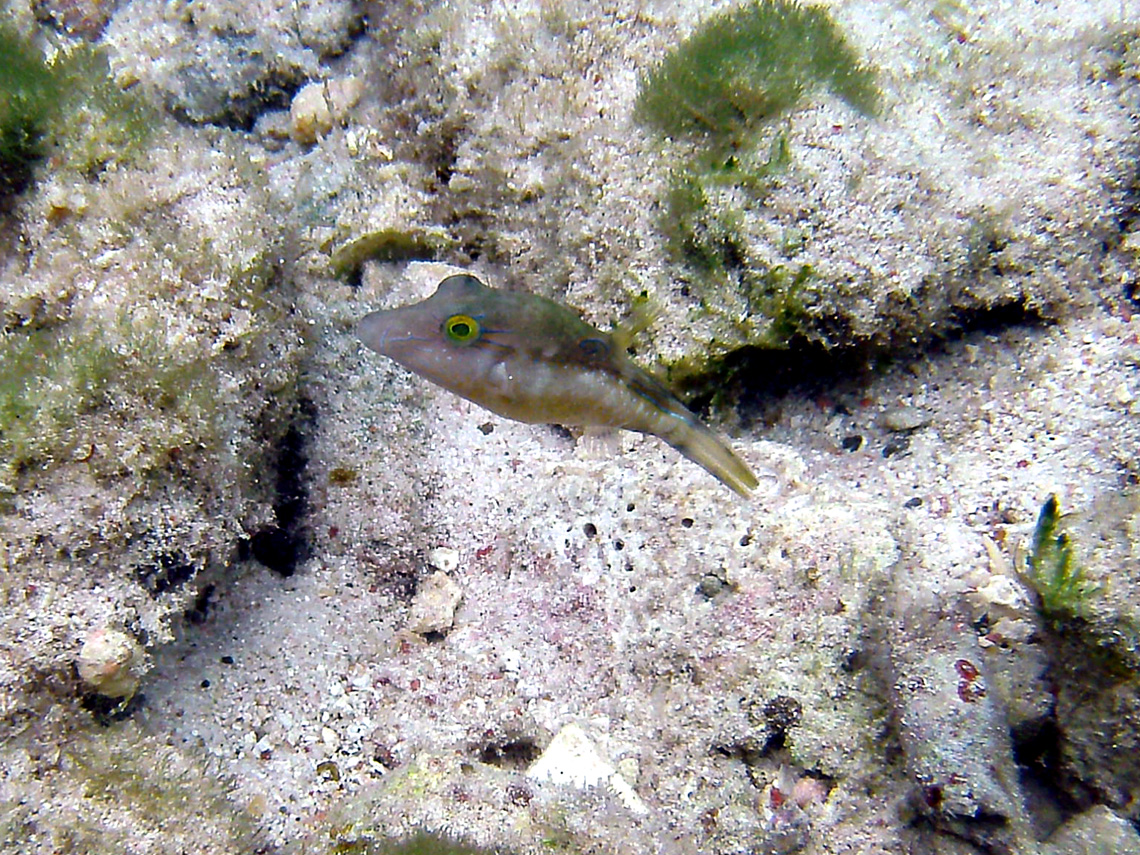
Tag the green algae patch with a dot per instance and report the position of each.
(69, 108)
(97, 122)
(705, 208)
(420, 844)
(722, 90)
(118, 398)
(48, 380)
(1063, 590)
(747, 66)
(109, 788)
(29, 93)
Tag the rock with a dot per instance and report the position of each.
(433, 609)
(444, 558)
(1097, 831)
(317, 107)
(572, 759)
(110, 663)
(902, 419)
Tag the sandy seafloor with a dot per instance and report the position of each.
(849, 661)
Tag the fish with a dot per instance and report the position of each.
(534, 360)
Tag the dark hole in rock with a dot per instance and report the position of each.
(168, 572)
(277, 549)
(106, 711)
(200, 608)
(517, 754)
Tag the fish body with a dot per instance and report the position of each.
(534, 360)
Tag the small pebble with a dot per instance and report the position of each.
(319, 106)
(110, 663)
(433, 609)
(1003, 591)
(710, 585)
(444, 558)
(901, 419)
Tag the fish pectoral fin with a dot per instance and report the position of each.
(598, 442)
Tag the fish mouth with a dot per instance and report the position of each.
(383, 333)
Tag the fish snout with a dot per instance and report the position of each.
(378, 329)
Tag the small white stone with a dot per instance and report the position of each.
(902, 419)
(110, 663)
(318, 106)
(433, 609)
(444, 558)
(310, 114)
(1003, 591)
(511, 660)
(630, 769)
(571, 759)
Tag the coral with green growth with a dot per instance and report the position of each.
(70, 107)
(1063, 591)
(747, 66)
(738, 72)
(28, 94)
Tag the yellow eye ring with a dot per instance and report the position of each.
(461, 329)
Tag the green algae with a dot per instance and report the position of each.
(423, 843)
(71, 395)
(705, 208)
(68, 108)
(388, 245)
(47, 381)
(724, 87)
(107, 788)
(745, 67)
(1063, 590)
(28, 95)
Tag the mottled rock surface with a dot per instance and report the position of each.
(196, 451)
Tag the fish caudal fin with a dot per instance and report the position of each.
(673, 422)
(708, 450)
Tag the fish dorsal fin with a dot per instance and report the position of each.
(644, 314)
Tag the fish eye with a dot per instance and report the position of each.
(461, 329)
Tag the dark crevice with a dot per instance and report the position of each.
(274, 90)
(757, 378)
(168, 571)
(517, 754)
(284, 546)
(106, 711)
(199, 610)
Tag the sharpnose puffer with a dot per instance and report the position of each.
(534, 360)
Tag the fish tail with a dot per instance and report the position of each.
(673, 422)
(702, 446)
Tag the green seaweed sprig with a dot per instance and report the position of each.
(1063, 590)
(69, 108)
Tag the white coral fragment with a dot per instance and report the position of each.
(433, 609)
(571, 759)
